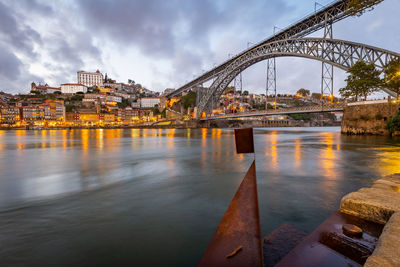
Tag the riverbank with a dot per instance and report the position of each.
(369, 117)
(365, 230)
(195, 124)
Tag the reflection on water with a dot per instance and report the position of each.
(107, 187)
(389, 160)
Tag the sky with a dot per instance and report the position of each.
(163, 44)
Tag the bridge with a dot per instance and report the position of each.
(291, 41)
(286, 111)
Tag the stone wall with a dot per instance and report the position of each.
(368, 117)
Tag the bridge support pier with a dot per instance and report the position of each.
(327, 68)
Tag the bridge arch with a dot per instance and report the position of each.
(339, 53)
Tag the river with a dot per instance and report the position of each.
(154, 197)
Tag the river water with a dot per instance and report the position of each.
(154, 197)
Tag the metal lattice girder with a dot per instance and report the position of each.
(327, 68)
(312, 23)
(271, 79)
(339, 53)
(238, 83)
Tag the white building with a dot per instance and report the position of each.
(100, 98)
(73, 88)
(135, 104)
(149, 102)
(113, 100)
(90, 78)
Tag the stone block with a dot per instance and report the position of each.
(387, 252)
(376, 204)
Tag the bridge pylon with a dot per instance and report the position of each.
(327, 68)
(271, 80)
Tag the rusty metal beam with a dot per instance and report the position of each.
(238, 240)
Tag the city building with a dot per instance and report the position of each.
(113, 100)
(123, 94)
(9, 115)
(135, 104)
(4, 97)
(33, 113)
(117, 86)
(54, 110)
(95, 98)
(149, 102)
(107, 117)
(128, 115)
(73, 88)
(105, 90)
(90, 79)
(44, 89)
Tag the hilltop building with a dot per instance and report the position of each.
(90, 79)
(44, 89)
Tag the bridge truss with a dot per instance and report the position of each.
(331, 52)
(339, 53)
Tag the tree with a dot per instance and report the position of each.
(245, 92)
(77, 98)
(359, 7)
(124, 103)
(70, 107)
(164, 113)
(303, 92)
(301, 117)
(156, 110)
(363, 80)
(131, 82)
(392, 73)
(189, 100)
(393, 124)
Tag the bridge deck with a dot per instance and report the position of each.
(277, 112)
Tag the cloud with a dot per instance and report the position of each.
(42, 42)
(10, 65)
(161, 43)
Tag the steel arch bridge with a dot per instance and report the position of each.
(339, 53)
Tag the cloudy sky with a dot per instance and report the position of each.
(164, 43)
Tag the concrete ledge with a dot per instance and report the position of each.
(377, 203)
(387, 252)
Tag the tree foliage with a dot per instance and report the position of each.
(303, 92)
(245, 92)
(70, 107)
(189, 100)
(316, 96)
(155, 110)
(363, 80)
(124, 103)
(301, 117)
(359, 7)
(393, 124)
(392, 73)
